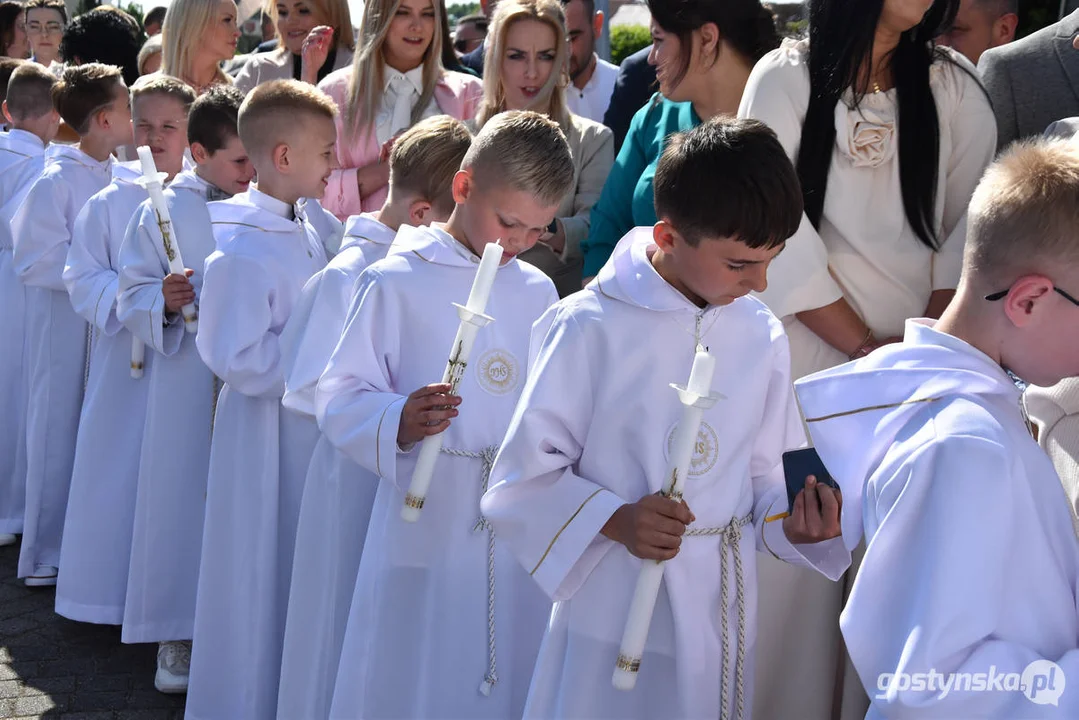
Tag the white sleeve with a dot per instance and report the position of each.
(973, 131)
(311, 334)
(234, 336)
(781, 430)
(41, 233)
(928, 596)
(548, 515)
(90, 279)
(798, 279)
(140, 306)
(357, 407)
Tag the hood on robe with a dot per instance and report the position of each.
(56, 152)
(242, 210)
(856, 411)
(189, 180)
(434, 245)
(22, 142)
(366, 227)
(126, 172)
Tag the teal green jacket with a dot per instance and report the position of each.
(627, 200)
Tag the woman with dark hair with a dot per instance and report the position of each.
(890, 136)
(13, 40)
(703, 52)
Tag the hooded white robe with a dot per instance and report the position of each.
(591, 433)
(971, 563)
(337, 498)
(258, 457)
(96, 549)
(58, 352)
(416, 642)
(175, 455)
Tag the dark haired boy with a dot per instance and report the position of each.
(181, 390)
(575, 488)
(94, 101)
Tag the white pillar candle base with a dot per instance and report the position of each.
(624, 679)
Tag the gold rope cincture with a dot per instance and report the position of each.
(487, 457)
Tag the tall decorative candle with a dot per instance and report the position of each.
(138, 357)
(695, 397)
(472, 319)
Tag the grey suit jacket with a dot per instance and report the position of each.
(1034, 81)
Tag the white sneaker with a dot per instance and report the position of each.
(173, 666)
(44, 576)
(7, 539)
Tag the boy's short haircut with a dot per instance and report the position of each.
(7, 66)
(276, 112)
(164, 85)
(524, 151)
(426, 157)
(29, 91)
(84, 91)
(57, 5)
(212, 121)
(156, 15)
(728, 178)
(1024, 214)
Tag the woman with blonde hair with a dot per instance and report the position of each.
(314, 38)
(396, 79)
(196, 37)
(526, 69)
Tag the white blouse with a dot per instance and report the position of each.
(400, 94)
(865, 250)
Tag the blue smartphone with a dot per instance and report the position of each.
(800, 464)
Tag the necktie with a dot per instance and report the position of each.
(402, 105)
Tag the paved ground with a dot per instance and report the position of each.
(54, 668)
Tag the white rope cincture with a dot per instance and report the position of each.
(89, 349)
(730, 539)
(487, 458)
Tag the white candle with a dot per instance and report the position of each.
(472, 319)
(485, 278)
(138, 357)
(164, 223)
(697, 396)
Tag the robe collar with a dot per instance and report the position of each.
(247, 208)
(126, 172)
(270, 203)
(434, 245)
(21, 142)
(367, 227)
(56, 152)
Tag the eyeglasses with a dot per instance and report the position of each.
(52, 28)
(1004, 293)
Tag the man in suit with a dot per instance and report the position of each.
(635, 84)
(980, 25)
(1033, 82)
(474, 60)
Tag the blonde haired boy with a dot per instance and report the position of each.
(965, 605)
(268, 246)
(337, 497)
(425, 618)
(94, 101)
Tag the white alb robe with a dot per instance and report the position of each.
(591, 433)
(175, 455)
(971, 564)
(416, 642)
(22, 158)
(96, 548)
(258, 457)
(57, 336)
(337, 497)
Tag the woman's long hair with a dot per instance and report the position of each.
(335, 14)
(367, 82)
(841, 35)
(10, 12)
(186, 23)
(551, 99)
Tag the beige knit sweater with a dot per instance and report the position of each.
(1055, 412)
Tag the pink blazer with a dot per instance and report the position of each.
(456, 94)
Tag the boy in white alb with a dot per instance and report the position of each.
(965, 604)
(266, 251)
(34, 122)
(96, 548)
(181, 391)
(337, 497)
(575, 486)
(426, 615)
(93, 100)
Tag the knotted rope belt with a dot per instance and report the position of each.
(487, 458)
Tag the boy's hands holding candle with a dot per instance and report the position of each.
(427, 411)
(178, 290)
(651, 528)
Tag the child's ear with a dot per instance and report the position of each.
(463, 186)
(664, 236)
(7, 114)
(420, 213)
(281, 158)
(199, 153)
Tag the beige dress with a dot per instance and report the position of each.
(867, 253)
(277, 65)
